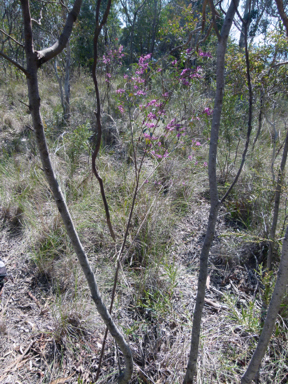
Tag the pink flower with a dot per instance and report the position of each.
(190, 157)
(146, 181)
(120, 91)
(197, 144)
(204, 54)
(185, 82)
(205, 164)
(208, 111)
(151, 116)
(166, 154)
(121, 109)
(138, 93)
(174, 63)
(166, 94)
(108, 75)
(125, 76)
(185, 71)
(159, 156)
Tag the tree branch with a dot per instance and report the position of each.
(249, 114)
(10, 37)
(48, 53)
(214, 14)
(14, 63)
(282, 14)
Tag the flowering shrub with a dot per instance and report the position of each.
(153, 129)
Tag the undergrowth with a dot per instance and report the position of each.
(153, 301)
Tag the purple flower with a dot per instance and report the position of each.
(120, 91)
(138, 93)
(204, 54)
(208, 111)
(166, 94)
(125, 76)
(151, 116)
(205, 164)
(185, 82)
(151, 102)
(166, 154)
(185, 71)
(174, 63)
(197, 144)
(159, 156)
(190, 157)
(188, 50)
(121, 109)
(159, 70)
(108, 75)
(106, 60)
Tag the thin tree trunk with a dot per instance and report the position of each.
(67, 83)
(221, 50)
(277, 203)
(34, 60)
(282, 14)
(276, 300)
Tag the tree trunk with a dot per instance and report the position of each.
(279, 291)
(67, 84)
(276, 204)
(34, 60)
(221, 50)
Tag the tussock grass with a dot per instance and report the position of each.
(157, 284)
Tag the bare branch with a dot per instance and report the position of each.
(278, 64)
(10, 37)
(14, 63)
(214, 14)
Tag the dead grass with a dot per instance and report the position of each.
(48, 324)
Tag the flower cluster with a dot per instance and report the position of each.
(208, 111)
(204, 54)
(187, 74)
(111, 60)
(158, 132)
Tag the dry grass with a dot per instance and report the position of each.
(48, 302)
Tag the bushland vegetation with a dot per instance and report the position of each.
(163, 140)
